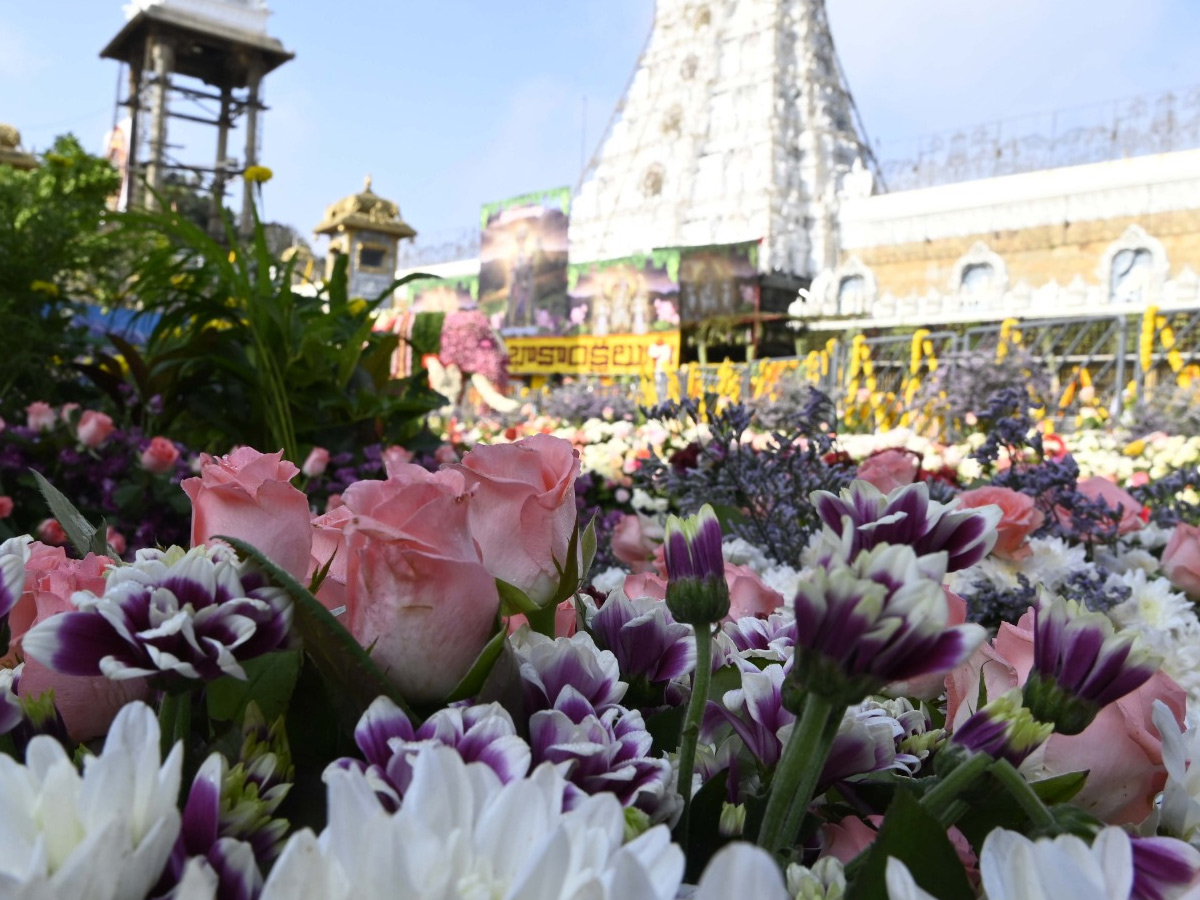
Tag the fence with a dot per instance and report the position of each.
(1085, 370)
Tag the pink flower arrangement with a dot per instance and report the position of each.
(94, 428)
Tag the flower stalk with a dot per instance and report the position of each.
(1019, 789)
(690, 734)
(941, 800)
(797, 774)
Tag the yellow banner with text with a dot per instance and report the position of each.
(613, 354)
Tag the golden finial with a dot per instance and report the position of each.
(367, 185)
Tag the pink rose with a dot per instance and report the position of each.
(94, 428)
(3, 424)
(1120, 749)
(748, 595)
(160, 457)
(329, 543)
(316, 463)
(565, 620)
(1020, 518)
(417, 591)
(333, 501)
(890, 469)
(1181, 559)
(50, 532)
(87, 704)
(246, 495)
(66, 411)
(40, 416)
(1133, 514)
(523, 509)
(645, 584)
(394, 457)
(445, 454)
(634, 541)
(6, 506)
(116, 540)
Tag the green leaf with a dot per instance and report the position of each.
(588, 545)
(352, 678)
(471, 683)
(270, 680)
(914, 837)
(1060, 788)
(513, 600)
(80, 532)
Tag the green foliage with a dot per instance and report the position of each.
(57, 250)
(300, 368)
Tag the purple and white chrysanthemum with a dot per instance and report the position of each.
(867, 740)
(14, 554)
(387, 739)
(879, 619)
(196, 615)
(1163, 867)
(1081, 664)
(12, 713)
(1003, 729)
(772, 638)
(864, 517)
(607, 752)
(203, 841)
(550, 666)
(646, 641)
(697, 593)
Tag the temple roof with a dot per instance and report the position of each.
(202, 46)
(366, 211)
(11, 153)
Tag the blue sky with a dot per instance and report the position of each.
(451, 103)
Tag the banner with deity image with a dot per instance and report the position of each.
(634, 295)
(523, 263)
(718, 282)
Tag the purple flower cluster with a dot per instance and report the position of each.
(104, 482)
(389, 743)
(572, 692)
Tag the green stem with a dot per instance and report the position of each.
(690, 733)
(542, 620)
(797, 774)
(174, 720)
(1016, 785)
(939, 800)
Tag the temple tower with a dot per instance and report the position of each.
(221, 44)
(367, 229)
(737, 126)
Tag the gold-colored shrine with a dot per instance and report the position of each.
(11, 153)
(367, 229)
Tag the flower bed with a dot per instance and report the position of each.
(808, 666)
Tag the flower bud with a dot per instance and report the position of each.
(697, 593)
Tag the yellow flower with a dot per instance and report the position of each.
(1135, 448)
(44, 287)
(258, 174)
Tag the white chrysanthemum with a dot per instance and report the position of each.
(461, 833)
(644, 503)
(611, 579)
(1127, 559)
(102, 835)
(1152, 604)
(741, 552)
(785, 580)
(1052, 561)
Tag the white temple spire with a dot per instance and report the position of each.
(736, 127)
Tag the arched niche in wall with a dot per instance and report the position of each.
(980, 276)
(850, 290)
(1134, 268)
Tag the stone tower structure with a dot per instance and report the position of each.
(737, 126)
(367, 230)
